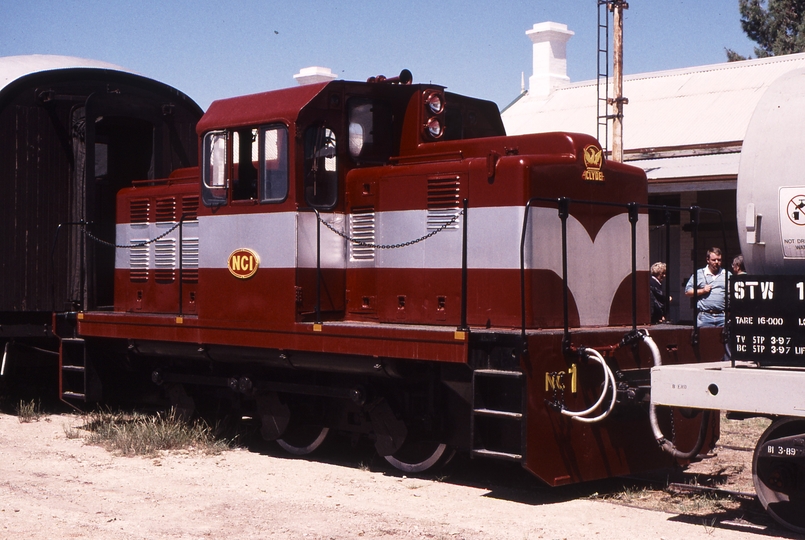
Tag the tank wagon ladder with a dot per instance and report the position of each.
(498, 402)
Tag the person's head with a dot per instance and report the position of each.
(658, 270)
(714, 260)
(738, 265)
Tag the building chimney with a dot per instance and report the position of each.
(314, 74)
(550, 57)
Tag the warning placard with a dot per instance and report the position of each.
(792, 222)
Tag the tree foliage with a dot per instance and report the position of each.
(777, 26)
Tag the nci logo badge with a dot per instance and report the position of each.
(243, 263)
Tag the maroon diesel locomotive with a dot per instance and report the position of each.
(380, 258)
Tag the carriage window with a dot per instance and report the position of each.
(244, 159)
(274, 164)
(321, 175)
(214, 165)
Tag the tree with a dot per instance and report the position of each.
(777, 26)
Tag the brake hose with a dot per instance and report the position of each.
(609, 381)
(666, 445)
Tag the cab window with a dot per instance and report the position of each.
(245, 164)
(214, 169)
(244, 160)
(321, 170)
(370, 135)
(274, 164)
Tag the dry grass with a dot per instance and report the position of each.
(29, 411)
(728, 468)
(137, 434)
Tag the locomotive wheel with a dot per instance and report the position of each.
(419, 456)
(302, 440)
(776, 468)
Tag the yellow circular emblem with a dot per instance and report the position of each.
(243, 263)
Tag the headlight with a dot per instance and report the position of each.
(434, 127)
(434, 102)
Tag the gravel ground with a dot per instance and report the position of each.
(54, 486)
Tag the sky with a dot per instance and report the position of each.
(217, 49)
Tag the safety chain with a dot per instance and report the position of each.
(130, 246)
(361, 243)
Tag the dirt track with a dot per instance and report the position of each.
(52, 486)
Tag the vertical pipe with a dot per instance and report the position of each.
(665, 290)
(633, 217)
(618, 101)
(522, 274)
(318, 267)
(181, 243)
(464, 268)
(694, 220)
(564, 204)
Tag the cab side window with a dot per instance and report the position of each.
(245, 164)
(370, 130)
(244, 160)
(321, 171)
(273, 164)
(214, 169)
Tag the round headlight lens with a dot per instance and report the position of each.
(434, 102)
(434, 128)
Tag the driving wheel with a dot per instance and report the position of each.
(304, 439)
(419, 456)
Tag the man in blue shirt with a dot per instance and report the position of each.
(711, 288)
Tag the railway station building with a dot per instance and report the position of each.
(684, 127)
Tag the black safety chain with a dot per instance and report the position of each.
(361, 243)
(129, 246)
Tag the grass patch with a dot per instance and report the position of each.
(29, 411)
(138, 434)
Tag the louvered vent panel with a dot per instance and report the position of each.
(190, 207)
(443, 202)
(138, 261)
(190, 260)
(165, 259)
(138, 210)
(362, 227)
(166, 209)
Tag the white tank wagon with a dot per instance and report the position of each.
(771, 188)
(766, 373)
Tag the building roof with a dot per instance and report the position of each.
(671, 114)
(16, 67)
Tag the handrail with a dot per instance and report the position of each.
(632, 210)
(463, 324)
(317, 307)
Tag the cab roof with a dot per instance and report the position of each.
(285, 104)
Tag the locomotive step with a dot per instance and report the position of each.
(78, 369)
(72, 340)
(73, 395)
(497, 455)
(498, 414)
(499, 373)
